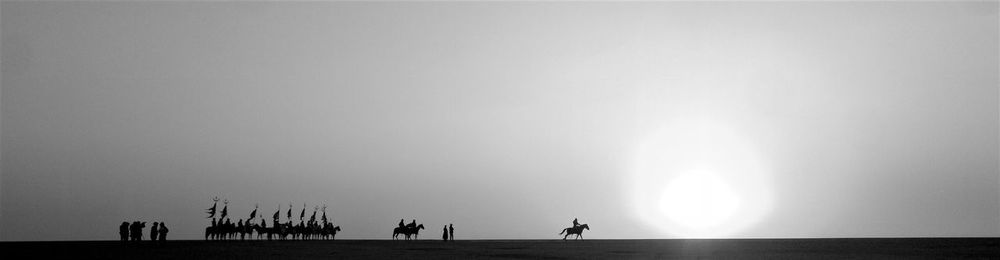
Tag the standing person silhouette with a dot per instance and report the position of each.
(132, 231)
(444, 233)
(154, 231)
(163, 232)
(451, 232)
(123, 231)
(136, 230)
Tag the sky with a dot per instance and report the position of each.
(507, 119)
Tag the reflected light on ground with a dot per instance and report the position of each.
(700, 179)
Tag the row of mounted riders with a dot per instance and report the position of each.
(314, 230)
(311, 230)
(414, 230)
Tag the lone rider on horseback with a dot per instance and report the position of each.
(577, 229)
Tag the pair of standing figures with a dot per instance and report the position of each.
(158, 232)
(448, 232)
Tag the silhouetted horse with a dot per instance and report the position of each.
(261, 231)
(221, 231)
(578, 231)
(407, 231)
(279, 231)
(329, 232)
(211, 231)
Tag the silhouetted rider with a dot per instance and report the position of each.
(575, 223)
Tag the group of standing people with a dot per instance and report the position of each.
(448, 233)
(133, 231)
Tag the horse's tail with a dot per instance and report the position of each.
(563, 231)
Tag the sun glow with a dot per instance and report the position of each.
(699, 179)
(699, 200)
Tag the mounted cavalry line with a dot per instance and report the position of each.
(224, 228)
(304, 230)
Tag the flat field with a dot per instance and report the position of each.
(846, 248)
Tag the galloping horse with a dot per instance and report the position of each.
(407, 231)
(578, 231)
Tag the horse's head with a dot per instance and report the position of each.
(337, 228)
(421, 226)
(585, 226)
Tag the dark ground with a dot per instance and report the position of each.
(874, 248)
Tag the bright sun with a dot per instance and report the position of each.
(698, 199)
(699, 179)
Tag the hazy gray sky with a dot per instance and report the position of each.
(645, 120)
